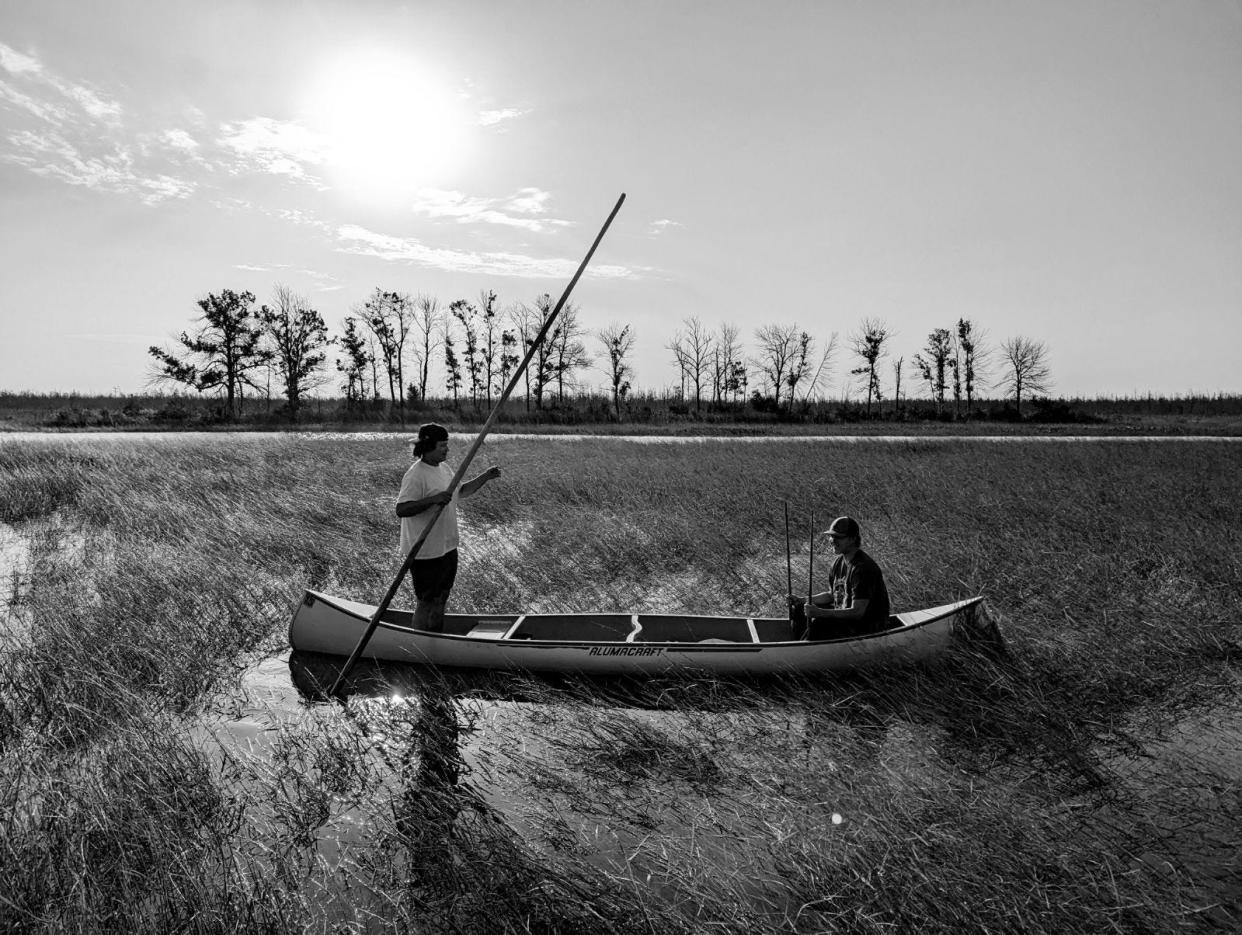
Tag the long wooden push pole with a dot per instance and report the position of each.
(461, 469)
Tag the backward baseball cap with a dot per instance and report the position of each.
(429, 435)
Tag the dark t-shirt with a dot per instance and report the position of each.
(860, 578)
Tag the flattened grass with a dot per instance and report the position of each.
(979, 796)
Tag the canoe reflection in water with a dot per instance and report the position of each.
(821, 706)
(314, 673)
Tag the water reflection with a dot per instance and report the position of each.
(14, 555)
(313, 674)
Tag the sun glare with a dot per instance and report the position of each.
(390, 125)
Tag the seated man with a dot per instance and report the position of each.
(856, 601)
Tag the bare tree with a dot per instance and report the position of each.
(425, 321)
(222, 353)
(897, 364)
(935, 365)
(778, 350)
(569, 352)
(726, 355)
(696, 346)
(681, 356)
(373, 356)
(526, 324)
(1027, 369)
(298, 339)
(809, 369)
(868, 343)
(618, 342)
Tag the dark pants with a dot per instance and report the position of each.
(823, 629)
(433, 580)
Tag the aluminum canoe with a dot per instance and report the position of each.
(620, 643)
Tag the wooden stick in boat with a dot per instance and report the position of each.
(788, 554)
(810, 564)
(461, 469)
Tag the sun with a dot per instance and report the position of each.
(390, 124)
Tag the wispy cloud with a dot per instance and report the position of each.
(75, 133)
(321, 282)
(360, 241)
(275, 147)
(45, 111)
(324, 282)
(179, 139)
(52, 156)
(663, 226)
(492, 118)
(30, 69)
(15, 63)
(524, 209)
(72, 133)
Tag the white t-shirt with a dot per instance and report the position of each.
(422, 480)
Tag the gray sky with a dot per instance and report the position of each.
(1066, 171)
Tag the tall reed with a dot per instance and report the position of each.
(995, 792)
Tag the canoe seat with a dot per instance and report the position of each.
(490, 629)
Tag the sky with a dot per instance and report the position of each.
(1064, 170)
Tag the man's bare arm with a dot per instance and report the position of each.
(855, 612)
(472, 486)
(414, 507)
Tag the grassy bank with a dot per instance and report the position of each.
(995, 793)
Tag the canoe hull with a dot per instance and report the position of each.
(753, 646)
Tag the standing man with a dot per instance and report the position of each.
(856, 601)
(423, 488)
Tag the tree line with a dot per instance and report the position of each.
(387, 345)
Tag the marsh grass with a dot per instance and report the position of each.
(998, 791)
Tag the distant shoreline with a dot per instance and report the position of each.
(406, 435)
(1208, 416)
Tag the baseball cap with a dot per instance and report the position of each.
(428, 436)
(432, 432)
(844, 527)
